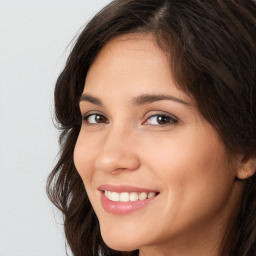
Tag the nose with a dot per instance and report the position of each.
(118, 152)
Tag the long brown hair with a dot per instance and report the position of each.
(213, 59)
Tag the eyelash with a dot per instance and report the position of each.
(86, 118)
(169, 119)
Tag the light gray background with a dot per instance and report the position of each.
(34, 39)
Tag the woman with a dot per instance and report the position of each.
(157, 109)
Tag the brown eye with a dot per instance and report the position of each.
(95, 119)
(160, 120)
(163, 119)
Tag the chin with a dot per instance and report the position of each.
(120, 242)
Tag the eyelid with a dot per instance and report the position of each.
(91, 113)
(174, 119)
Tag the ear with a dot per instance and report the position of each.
(247, 168)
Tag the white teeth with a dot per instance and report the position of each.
(126, 197)
(151, 194)
(115, 196)
(143, 196)
(134, 197)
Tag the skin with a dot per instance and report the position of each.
(184, 158)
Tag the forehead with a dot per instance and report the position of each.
(132, 59)
(130, 50)
(133, 42)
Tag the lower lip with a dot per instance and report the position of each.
(122, 208)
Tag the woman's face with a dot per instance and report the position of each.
(142, 140)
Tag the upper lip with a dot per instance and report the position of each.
(124, 188)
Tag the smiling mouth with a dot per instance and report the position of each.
(128, 196)
(125, 199)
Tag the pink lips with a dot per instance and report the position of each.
(122, 208)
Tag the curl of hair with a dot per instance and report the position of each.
(213, 59)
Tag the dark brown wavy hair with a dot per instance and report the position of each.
(212, 44)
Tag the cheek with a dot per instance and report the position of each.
(84, 163)
(187, 154)
(195, 177)
(83, 159)
(193, 168)
(181, 156)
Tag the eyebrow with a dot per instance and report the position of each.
(150, 98)
(91, 99)
(139, 100)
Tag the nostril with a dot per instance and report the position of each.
(117, 161)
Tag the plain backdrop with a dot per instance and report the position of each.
(34, 43)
